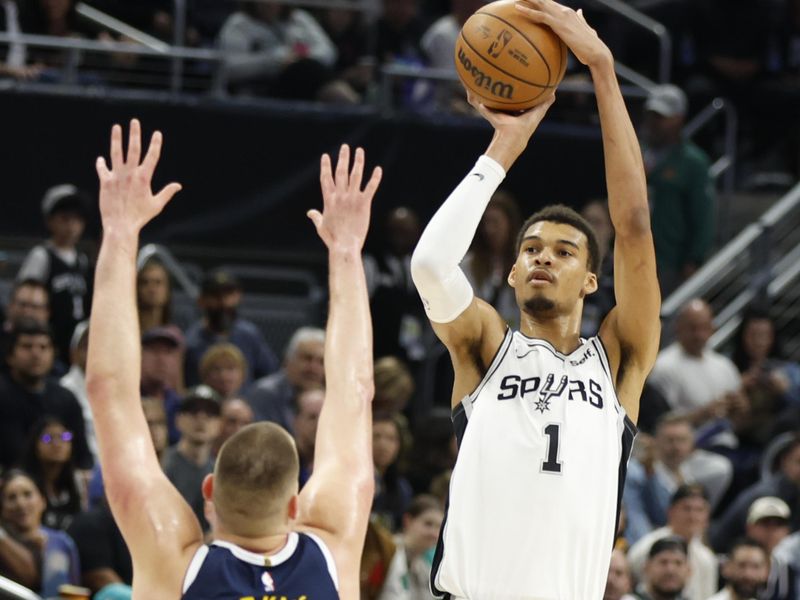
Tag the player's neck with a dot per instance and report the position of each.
(562, 331)
(268, 544)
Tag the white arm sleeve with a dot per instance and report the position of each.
(444, 288)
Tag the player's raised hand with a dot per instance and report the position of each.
(344, 219)
(127, 201)
(570, 26)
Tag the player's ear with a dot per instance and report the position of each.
(512, 276)
(207, 486)
(590, 284)
(293, 507)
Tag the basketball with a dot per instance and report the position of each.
(508, 61)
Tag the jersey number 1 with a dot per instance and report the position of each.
(551, 465)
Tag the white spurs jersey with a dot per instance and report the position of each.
(536, 490)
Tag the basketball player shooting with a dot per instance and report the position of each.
(270, 541)
(544, 419)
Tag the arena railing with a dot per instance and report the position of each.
(11, 590)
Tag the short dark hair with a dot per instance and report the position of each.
(29, 282)
(26, 326)
(688, 490)
(558, 213)
(747, 542)
(666, 544)
(423, 503)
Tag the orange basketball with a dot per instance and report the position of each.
(507, 60)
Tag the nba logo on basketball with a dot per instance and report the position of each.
(501, 42)
(269, 584)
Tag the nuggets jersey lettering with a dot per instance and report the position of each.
(301, 570)
(536, 490)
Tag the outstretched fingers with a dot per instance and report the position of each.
(326, 176)
(357, 174)
(167, 192)
(153, 154)
(134, 144)
(102, 169)
(117, 160)
(373, 183)
(342, 165)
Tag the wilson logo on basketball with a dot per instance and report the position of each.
(501, 89)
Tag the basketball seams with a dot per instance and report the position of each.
(527, 39)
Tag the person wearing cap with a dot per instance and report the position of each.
(188, 462)
(60, 265)
(768, 522)
(162, 371)
(666, 571)
(746, 571)
(687, 518)
(680, 188)
(220, 296)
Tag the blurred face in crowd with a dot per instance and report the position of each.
(153, 286)
(747, 571)
(758, 337)
(220, 309)
(496, 229)
(54, 445)
(688, 517)
(790, 465)
(31, 359)
(236, 413)
(225, 376)
(694, 327)
(399, 12)
(156, 419)
(659, 131)
(29, 302)
(596, 214)
(22, 504)
(619, 577)
(666, 573)
(162, 362)
(385, 444)
(268, 11)
(674, 443)
(769, 531)
(309, 406)
(65, 226)
(402, 230)
(198, 423)
(305, 367)
(422, 532)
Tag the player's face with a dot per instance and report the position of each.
(667, 572)
(22, 504)
(747, 571)
(422, 532)
(550, 276)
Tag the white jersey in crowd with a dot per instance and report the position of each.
(536, 490)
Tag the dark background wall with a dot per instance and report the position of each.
(250, 172)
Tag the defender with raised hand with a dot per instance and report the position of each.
(544, 418)
(268, 539)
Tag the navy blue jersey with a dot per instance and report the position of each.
(302, 570)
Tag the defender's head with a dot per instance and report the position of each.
(557, 262)
(255, 482)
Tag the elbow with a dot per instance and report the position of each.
(423, 268)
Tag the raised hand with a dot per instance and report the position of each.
(127, 201)
(570, 26)
(344, 220)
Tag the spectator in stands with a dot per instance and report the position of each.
(696, 380)
(687, 519)
(434, 451)
(394, 301)
(162, 370)
(785, 484)
(784, 572)
(392, 491)
(768, 522)
(375, 560)
(746, 572)
(55, 556)
(666, 571)
(27, 394)
(399, 31)
(309, 405)
(50, 462)
(493, 253)
(153, 295)
(771, 383)
(224, 369)
(410, 569)
(596, 306)
(14, 63)
(60, 265)
(281, 51)
(346, 30)
(220, 296)
(653, 479)
(273, 398)
(681, 189)
(439, 45)
(234, 414)
(619, 584)
(75, 381)
(394, 385)
(188, 462)
(29, 299)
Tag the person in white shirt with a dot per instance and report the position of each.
(694, 379)
(746, 571)
(75, 381)
(687, 519)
